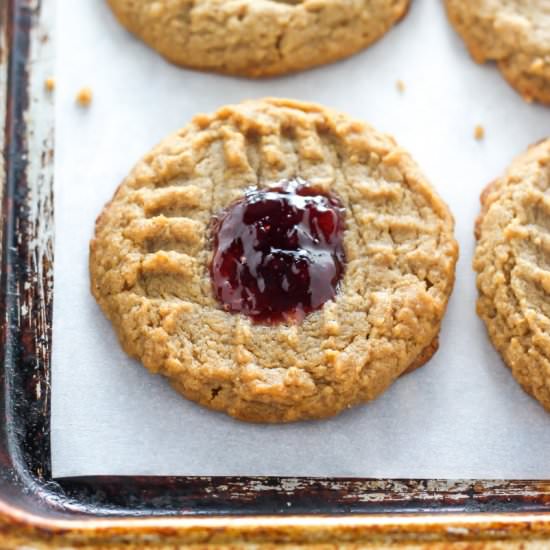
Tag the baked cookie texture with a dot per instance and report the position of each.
(257, 37)
(512, 261)
(515, 34)
(150, 258)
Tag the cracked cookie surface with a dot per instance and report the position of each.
(512, 262)
(513, 33)
(151, 255)
(257, 37)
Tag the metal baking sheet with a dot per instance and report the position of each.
(460, 416)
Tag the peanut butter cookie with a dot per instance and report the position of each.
(258, 37)
(276, 260)
(512, 262)
(515, 34)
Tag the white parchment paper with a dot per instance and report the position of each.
(462, 415)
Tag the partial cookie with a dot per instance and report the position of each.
(362, 248)
(512, 261)
(515, 34)
(258, 37)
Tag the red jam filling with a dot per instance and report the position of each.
(278, 252)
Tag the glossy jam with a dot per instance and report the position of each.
(278, 252)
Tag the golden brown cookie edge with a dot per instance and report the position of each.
(273, 70)
(490, 194)
(530, 89)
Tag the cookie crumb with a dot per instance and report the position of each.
(400, 86)
(84, 97)
(479, 132)
(49, 84)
